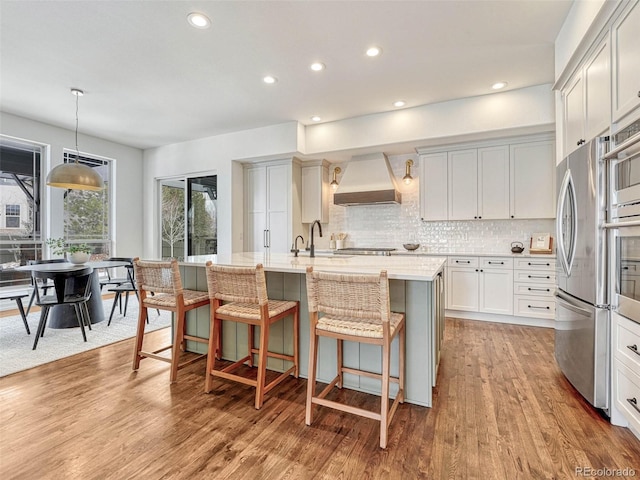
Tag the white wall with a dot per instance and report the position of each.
(213, 155)
(128, 174)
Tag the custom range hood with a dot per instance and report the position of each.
(367, 180)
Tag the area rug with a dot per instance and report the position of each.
(16, 352)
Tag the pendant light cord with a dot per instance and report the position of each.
(77, 149)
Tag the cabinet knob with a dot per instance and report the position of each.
(511, 216)
(638, 93)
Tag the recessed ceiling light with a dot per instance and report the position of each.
(318, 66)
(316, 118)
(399, 103)
(198, 20)
(499, 85)
(269, 79)
(374, 51)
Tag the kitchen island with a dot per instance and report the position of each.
(416, 288)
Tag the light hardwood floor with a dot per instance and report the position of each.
(502, 410)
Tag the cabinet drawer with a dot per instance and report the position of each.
(627, 335)
(626, 393)
(526, 306)
(535, 276)
(463, 262)
(496, 262)
(533, 289)
(535, 264)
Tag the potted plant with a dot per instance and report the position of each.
(77, 253)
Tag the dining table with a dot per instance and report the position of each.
(63, 316)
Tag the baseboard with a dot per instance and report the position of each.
(511, 319)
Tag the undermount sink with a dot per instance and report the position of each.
(304, 253)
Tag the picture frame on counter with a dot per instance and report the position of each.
(541, 243)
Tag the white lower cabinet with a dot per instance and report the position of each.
(534, 286)
(480, 284)
(626, 369)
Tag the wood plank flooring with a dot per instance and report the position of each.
(502, 410)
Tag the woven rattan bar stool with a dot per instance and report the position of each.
(354, 308)
(244, 293)
(161, 280)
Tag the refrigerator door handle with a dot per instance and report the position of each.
(568, 303)
(559, 215)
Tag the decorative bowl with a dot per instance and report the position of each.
(411, 246)
(78, 258)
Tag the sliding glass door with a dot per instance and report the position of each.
(188, 223)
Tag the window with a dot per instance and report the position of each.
(188, 217)
(87, 214)
(20, 216)
(12, 216)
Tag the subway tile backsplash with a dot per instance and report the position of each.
(392, 225)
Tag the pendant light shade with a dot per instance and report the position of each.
(75, 176)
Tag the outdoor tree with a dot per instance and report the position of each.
(201, 225)
(86, 215)
(173, 220)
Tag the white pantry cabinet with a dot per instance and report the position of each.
(272, 206)
(625, 66)
(316, 192)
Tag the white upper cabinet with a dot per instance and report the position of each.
(597, 82)
(463, 184)
(625, 35)
(532, 180)
(573, 115)
(433, 187)
(316, 192)
(493, 182)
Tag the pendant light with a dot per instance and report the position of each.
(75, 176)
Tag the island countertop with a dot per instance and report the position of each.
(397, 267)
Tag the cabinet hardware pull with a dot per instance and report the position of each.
(538, 289)
(463, 261)
(496, 263)
(534, 264)
(625, 268)
(634, 349)
(634, 403)
(538, 276)
(264, 239)
(541, 308)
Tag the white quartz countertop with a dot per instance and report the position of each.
(422, 268)
(471, 253)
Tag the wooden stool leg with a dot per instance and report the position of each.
(311, 381)
(340, 342)
(262, 362)
(401, 363)
(384, 403)
(211, 351)
(296, 340)
(250, 342)
(142, 317)
(177, 343)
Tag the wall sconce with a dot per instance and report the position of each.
(334, 182)
(407, 177)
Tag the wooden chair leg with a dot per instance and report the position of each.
(311, 381)
(177, 343)
(251, 329)
(142, 317)
(211, 352)
(296, 340)
(262, 363)
(384, 403)
(401, 363)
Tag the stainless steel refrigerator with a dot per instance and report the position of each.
(582, 307)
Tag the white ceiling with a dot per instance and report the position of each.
(151, 79)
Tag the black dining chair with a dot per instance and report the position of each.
(117, 280)
(44, 285)
(125, 289)
(70, 288)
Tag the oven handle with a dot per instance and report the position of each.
(634, 223)
(623, 146)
